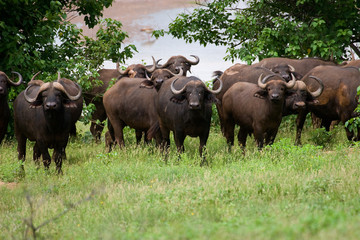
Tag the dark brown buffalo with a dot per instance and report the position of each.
(43, 113)
(184, 107)
(5, 84)
(176, 62)
(127, 104)
(128, 99)
(256, 108)
(95, 95)
(338, 100)
(287, 66)
(295, 99)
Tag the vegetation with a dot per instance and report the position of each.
(282, 192)
(271, 28)
(37, 36)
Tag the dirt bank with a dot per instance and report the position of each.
(128, 11)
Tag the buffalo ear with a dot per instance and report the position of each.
(36, 104)
(261, 94)
(147, 84)
(178, 99)
(210, 98)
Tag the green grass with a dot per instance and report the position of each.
(281, 192)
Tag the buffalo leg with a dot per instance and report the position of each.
(242, 135)
(138, 134)
(119, 133)
(326, 124)
(300, 120)
(270, 137)
(96, 130)
(229, 126)
(259, 136)
(202, 148)
(57, 158)
(179, 137)
(36, 155)
(45, 155)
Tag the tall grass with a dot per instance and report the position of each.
(281, 192)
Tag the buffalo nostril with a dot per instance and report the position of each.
(194, 105)
(159, 81)
(275, 96)
(300, 104)
(51, 105)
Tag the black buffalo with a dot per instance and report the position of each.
(5, 84)
(184, 107)
(44, 113)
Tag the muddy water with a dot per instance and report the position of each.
(211, 56)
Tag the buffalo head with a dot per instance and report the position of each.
(158, 77)
(176, 62)
(285, 71)
(5, 82)
(274, 90)
(138, 70)
(195, 93)
(52, 96)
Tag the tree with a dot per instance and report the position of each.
(36, 35)
(271, 28)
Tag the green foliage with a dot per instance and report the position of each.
(37, 36)
(271, 28)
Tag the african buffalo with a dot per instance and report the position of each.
(256, 108)
(176, 62)
(5, 84)
(43, 113)
(95, 95)
(130, 103)
(295, 98)
(184, 107)
(338, 100)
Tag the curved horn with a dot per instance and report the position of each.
(197, 60)
(147, 76)
(292, 82)
(58, 76)
(60, 87)
(319, 90)
(262, 83)
(292, 69)
(15, 83)
(174, 91)
(153, 67)
(217, 91)
(43, 87)
(123, 72)
(32, 79)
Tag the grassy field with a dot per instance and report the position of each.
(281, 192)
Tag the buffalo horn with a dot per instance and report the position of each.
(292, 69)
(153, 67)
(123, 72)
(43, 87)
(262, 83)
(319, 90)
(174, 91)
(217, 91)
(60, 87)
(292, 82)
(58, 76)
(147, 76)
(197, 60)
(33, 78)
(15, 83)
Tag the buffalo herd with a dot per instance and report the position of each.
(161, 98)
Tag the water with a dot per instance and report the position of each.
(211, 56)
